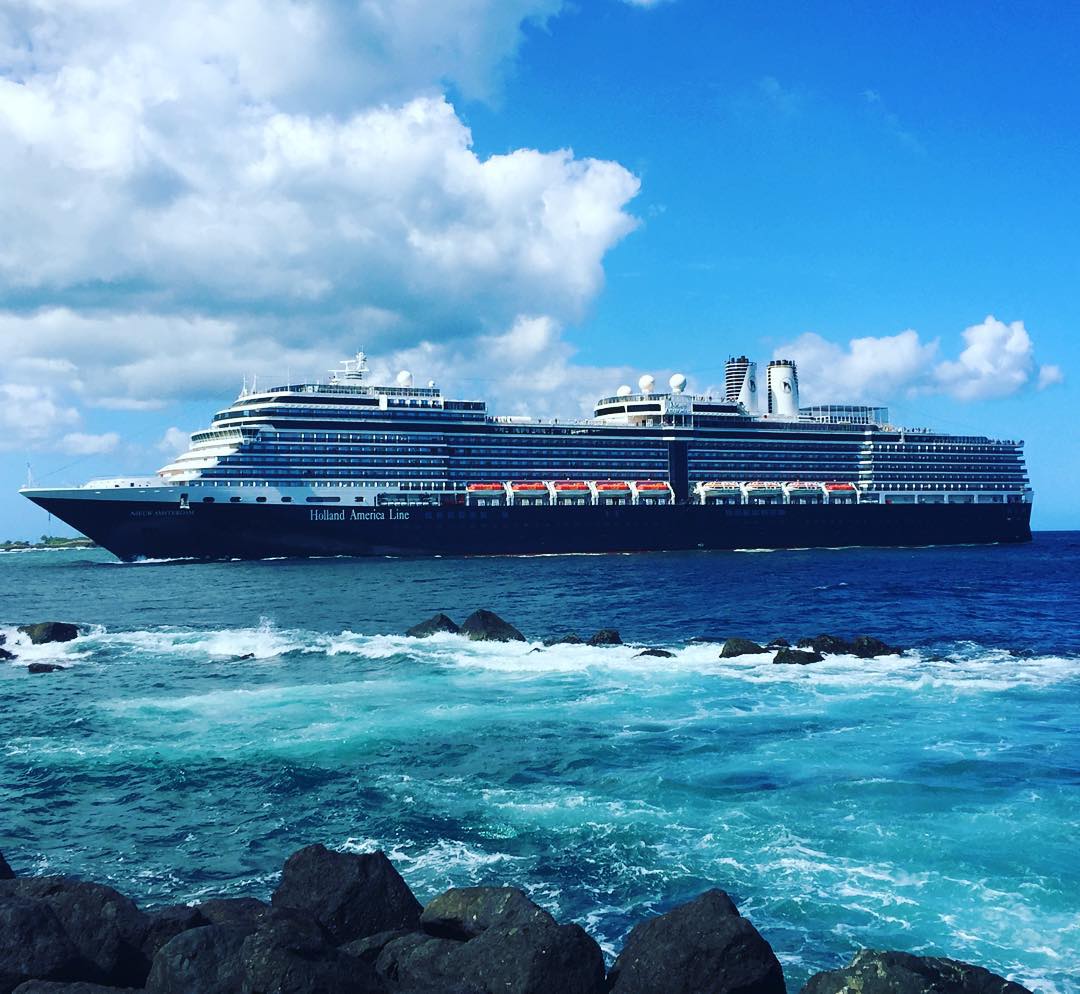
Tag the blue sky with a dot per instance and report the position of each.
(534, 201)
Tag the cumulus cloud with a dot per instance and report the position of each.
(997, 360)
(174, 440)
(30, 414)
(82, 444)
(196, 191)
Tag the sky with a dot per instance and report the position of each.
(532, 202)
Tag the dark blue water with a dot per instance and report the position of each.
(928, 802)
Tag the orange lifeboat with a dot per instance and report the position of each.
(571, 485)
(834, 487)
(478, 488)
(612, 485)
(527, 486)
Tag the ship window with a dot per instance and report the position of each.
(208, 500)
(286, 500)
(261, 500)
(234, 500)
(323, 500)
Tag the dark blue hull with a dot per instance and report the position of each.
(137, 529)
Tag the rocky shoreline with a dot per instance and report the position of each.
(344, 923)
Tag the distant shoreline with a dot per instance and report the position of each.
(47, 542)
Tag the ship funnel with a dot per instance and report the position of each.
(646, 383)
(783, 388)
(740, 382)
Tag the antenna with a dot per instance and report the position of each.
(29, 474)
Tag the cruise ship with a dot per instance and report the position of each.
(349, 467)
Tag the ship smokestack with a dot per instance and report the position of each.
(783, 388)
(740, 382)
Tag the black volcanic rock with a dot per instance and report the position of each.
(6, 872)
(239, 912)
(166, 924)
(370, 947)
(533, 958)
(659, 653)
(606, 636)
(350, 895)
(799, 657)
(487, 626)
(867, 647)
(874, 972)
(464, 912)
(436, 623)
(703, 947)
(34, 944)
(571, 638)
(831, 644)
(6, 656)
(73, 987)
(740, 647)
(50, 631)
(779, 643)
(205, 960)
(44, 667)
(105, 927)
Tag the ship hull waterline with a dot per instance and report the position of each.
(149, 530)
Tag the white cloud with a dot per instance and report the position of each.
(31, 414)
(997, 360)
(1049, 375)
(865, 369)
(82, 444)
(645, 3)
(174, 440)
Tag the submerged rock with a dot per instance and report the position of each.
(867, 647)
(435, 624)
(465, 912)
(571, 638)
(606, 636)
(6, 872)
(659, 653)
(44, 667)
(740, 647)
(832, 644)
(50, 631)
(486, 626)
(703, 946)
(798, 657)
(350, 895)
(106, 928)
(874, 972)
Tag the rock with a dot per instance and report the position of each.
(874, 972)
(740, 647)
(44, 667)
(799, 657)
(239, 912)
(6, 872)
(436, 623)
(606, 636)
(34, 944)
(660, 653)
(778, 644)
(369, 948)
(205, 960)
(867, 647)
(831, 644)
(105, 927)
(50, 631)
(165, 924)
(290, 954)
(7, 656)
(76, 987)
(535, 649)
(246, 655)
(466, 912)
(535, 958)
(486, 626)
(703, 947)
(571, 638)
(351, 896)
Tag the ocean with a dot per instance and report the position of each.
(216, 717)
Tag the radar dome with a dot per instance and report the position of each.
(623, 391)
(647, 383)
(677, 383)
(404, 378)
(431, 384)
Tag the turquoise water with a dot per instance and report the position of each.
(916, 802)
